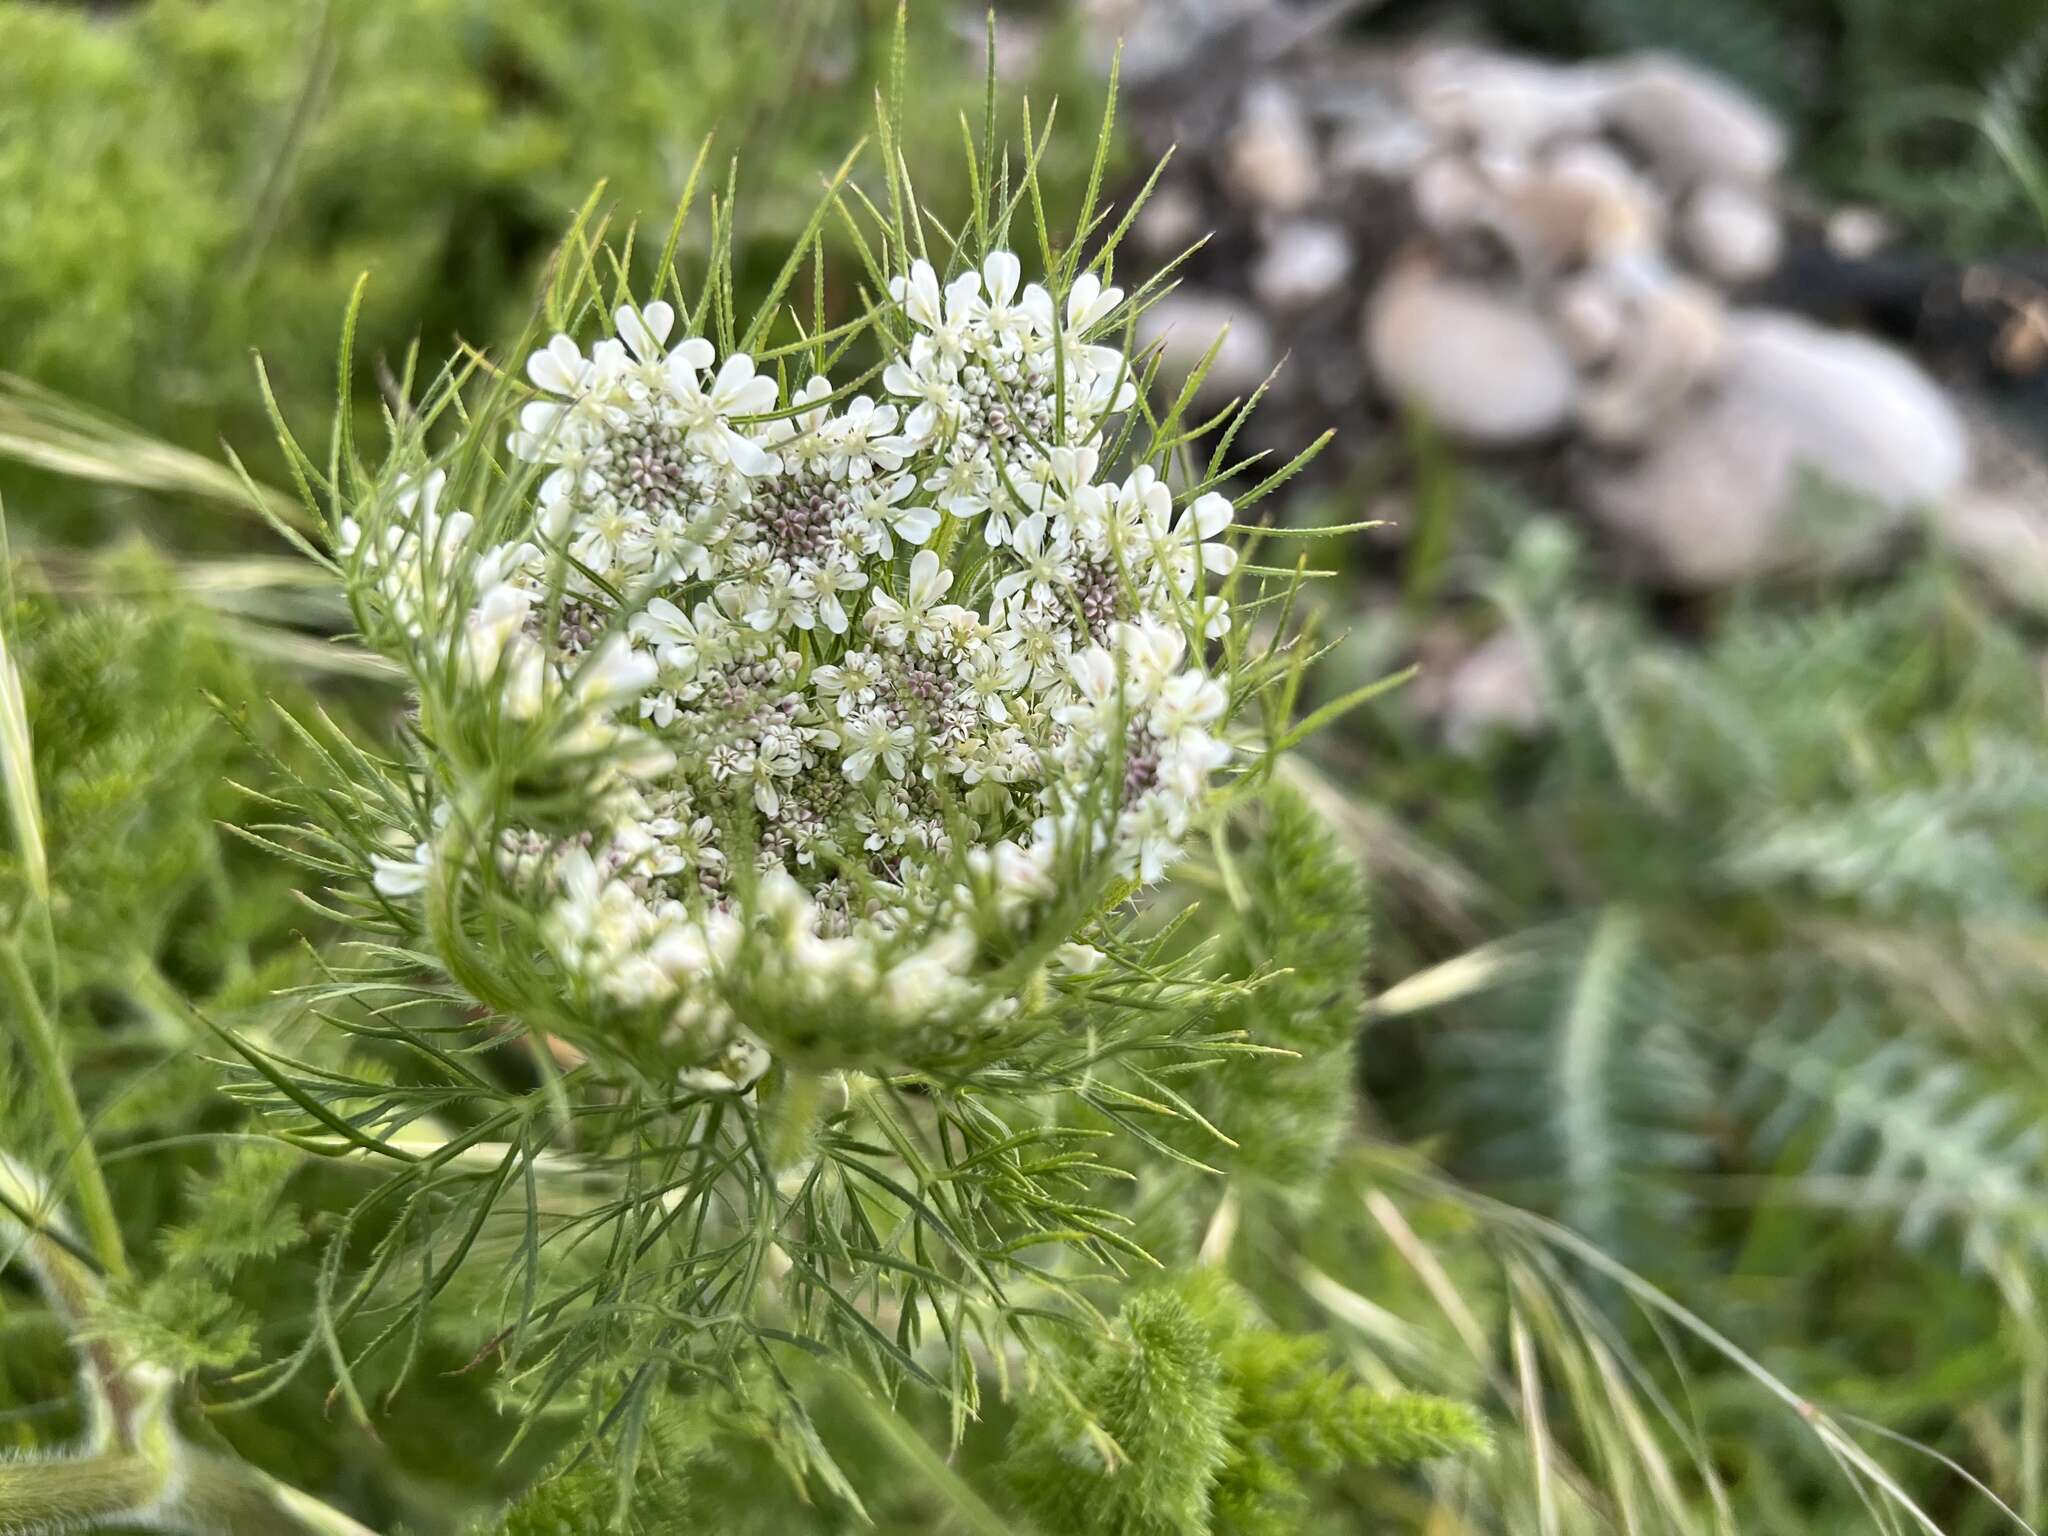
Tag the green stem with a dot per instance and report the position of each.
(193, 1491)
(68, 1495)
(969, 1508)
(233, 1498)
(138, 1470)
(46, 1059)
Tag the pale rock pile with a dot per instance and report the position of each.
(1585, 236)
(1554, 264)
(1563, 269)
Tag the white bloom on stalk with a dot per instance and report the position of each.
(863, 440)
(840, 720)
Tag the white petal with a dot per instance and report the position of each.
(1003, 272)
(1081, 298)
(558, 367)
(749, 457)
(1212, 514)
(924, 578)
(690, 358)
(916, 524)
(644, 330)
(733, 374)
(539, 418)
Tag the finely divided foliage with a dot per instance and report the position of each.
(794, 728)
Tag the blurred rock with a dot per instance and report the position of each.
(1305, 260)
(1170, 222)
(1719, 498)
(1858, 233)
(1387, 142)
(1582, 206)
(1159, 37)
(1592, 318)
(1187, 321)
(1695, 127)
(1479, 364)
(1508, 108)
(1019, 43)
(1271, 162)
(1731, 232)
(1669, 339)
(1999, 522)
(1451, 195)
(2005, 539)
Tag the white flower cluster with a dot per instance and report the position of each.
(881, 649)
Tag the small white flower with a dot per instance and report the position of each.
(931, 379)
(524, 667)
(1005, 319)
(965, 486)
(642, 333)
(615, 674)
(1152, 653)
(918, 293)
(703, 414)
(1206, 519)
(817, 588)
(1044, 555)
(498, 616)
(1078, 959)
(872, 737)
(1187, 701)
(1095, 676)
(770, 600)
(862, 440)
(1089, 304)
(911, 620)
(559, 368)
(675, 637)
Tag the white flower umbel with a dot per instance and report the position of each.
(872, 674)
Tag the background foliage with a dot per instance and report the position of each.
(186, 182)
(1734, 970)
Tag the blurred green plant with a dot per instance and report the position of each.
(185, 181)
(1741, 976)
(1197, 1417)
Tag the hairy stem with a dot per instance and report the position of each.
(133, 1466)
(195, 1492)
(46, 1059)
(67, 1495)
(235, 1499)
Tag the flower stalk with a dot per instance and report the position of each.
(46, 1060)
(132, 1466)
